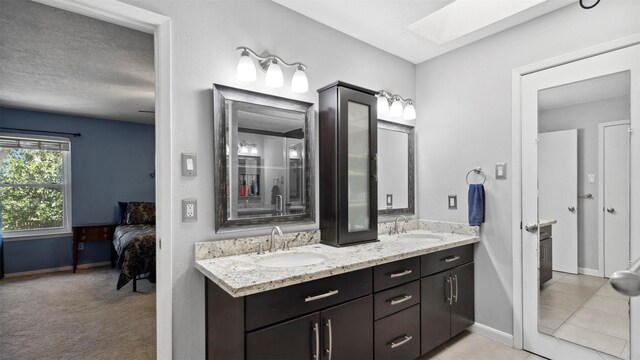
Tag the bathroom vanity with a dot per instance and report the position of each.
(393, 299)
(545, 251)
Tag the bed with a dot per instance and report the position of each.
(134, 241)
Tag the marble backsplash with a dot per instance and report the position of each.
(430, 225)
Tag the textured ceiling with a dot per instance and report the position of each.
(58, 61)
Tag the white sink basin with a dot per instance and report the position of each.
(420, 236)
(291, 259)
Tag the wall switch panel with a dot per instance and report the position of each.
(453, 202)
(80, 246)
(189, 210)
(591, 178)
(189, 165)
(501, 171)
(389, 201)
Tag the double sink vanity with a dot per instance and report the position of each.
(355, 288)
(396, 298)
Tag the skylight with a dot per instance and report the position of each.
(463, 17)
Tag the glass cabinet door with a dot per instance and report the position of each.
(358, 178)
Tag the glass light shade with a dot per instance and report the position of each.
(274, 76)
(293, 154)
(246, 70)
(244, 150)
(299, 83)
(383, 105)
(254, 150)
(409, 112)
(396, 108)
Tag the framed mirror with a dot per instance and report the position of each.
(263, 159)
(396, 169)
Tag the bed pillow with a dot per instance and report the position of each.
(122, 212)
(140, 213)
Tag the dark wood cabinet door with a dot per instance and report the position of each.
(462, 309)
(546, 271)
(435, 318)
(350, 335)
(295, 340)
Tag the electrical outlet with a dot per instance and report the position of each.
(80, 246)
(189, 210)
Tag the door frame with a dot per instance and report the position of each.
(601, 214)
(133, 17)
(516, 160)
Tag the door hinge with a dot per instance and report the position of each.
(520, 225)
(159, 243)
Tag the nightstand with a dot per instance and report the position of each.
(92, 232)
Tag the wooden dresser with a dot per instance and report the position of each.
(92, 232)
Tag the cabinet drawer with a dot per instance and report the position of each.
(446, 259)
(398, 298)
(398, 336)
(396, 273)
(545, 232)
(282, 304)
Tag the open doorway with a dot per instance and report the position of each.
(78, 138)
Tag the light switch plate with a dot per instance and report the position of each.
(453, 202)
(189, 165)
(389, 201)
(501, 171)
(189, 210)
(591, 178)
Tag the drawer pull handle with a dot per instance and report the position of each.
(405, 339)
(321, 296)
(451, 258)
(401, 273)
(316, 332)
(400, 299)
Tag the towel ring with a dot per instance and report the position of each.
(477, 171)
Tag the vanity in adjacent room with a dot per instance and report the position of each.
(356, 288)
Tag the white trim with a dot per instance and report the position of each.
(491, 333)
(136, 18)
(590, 272)
(57, 269)
(516, 157)
(601, 244)
(7, 237)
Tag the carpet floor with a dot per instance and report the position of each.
(76, 316)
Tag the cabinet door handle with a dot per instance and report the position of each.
(400, 299)
(455, 279)
(542, 253)
(402, 340)
(450, 297)
(330, 350)
(316, 332)
(321, 296)
(451, 258)
(400, 273)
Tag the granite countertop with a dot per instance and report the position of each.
(545, 222)
(239, 275)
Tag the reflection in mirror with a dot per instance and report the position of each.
(395, 169)
(266, 163)
(583, 186)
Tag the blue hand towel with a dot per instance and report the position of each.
(476, 204)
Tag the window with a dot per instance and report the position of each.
(35, 185)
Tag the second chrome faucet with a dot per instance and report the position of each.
(272, 245)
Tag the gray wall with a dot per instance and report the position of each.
(464, 120)
(205, 35)
(585, 118)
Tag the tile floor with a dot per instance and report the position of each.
(587, 311)
(473, 346)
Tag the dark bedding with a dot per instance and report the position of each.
(136, 248)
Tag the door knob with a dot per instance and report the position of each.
(572, 208)
(531, 227)
(611, 210)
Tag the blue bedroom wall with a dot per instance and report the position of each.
(110, 162)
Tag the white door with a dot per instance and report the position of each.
(626, 59)
(614, 171)
(558, 194)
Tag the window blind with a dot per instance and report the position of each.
(18, 142)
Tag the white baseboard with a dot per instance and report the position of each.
(491, 333)
(585, 271)
(62, 268)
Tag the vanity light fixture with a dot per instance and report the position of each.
(396, 109)
(272, 65)
(246, 148)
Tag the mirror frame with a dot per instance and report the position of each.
(410, 131)
(223, 94)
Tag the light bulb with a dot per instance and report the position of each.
(396, 108)
(246, 70)
(274, 77)
(383, 105)
(409, 112)
(299, 83)
(293, 153)
(254, 150)
(244, 150)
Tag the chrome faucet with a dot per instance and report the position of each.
(272, 246)
(397, 229)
